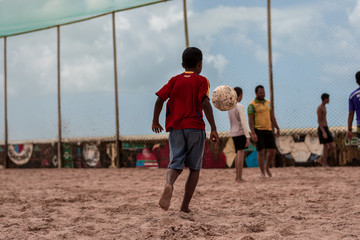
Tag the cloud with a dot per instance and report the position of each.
(155, 35)
(31, 64)
(173, 16)
(150, 41)
(339, 69)
(122, 23)
(86, 60)
(214, 21)
(88, 76)
(354, 16)
(218, 62)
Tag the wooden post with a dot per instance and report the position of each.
(270, 54)
(186, 25)
(271, 67)
(117, 142)
(5, 108)
(59, 98)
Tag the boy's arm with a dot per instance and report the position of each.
(251, 116)
(243, 121)
(244, 125)
(156, 127)
(214, 137)
(349, 134)
(252, 128)
(274, 122)
(320, 116)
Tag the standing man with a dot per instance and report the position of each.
(324, 134)
(354, 106)
(261, 122)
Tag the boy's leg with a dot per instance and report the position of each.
(260, 148)
(171, 176)
(190, 186)
(177, 156)
(260, 159)
(332, 147)
(195, 143)
(325, 154)
(239, 163)
(269, 159)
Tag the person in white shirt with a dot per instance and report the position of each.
(239, 133)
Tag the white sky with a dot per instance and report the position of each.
(315, 50)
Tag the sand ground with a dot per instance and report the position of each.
(296, 203)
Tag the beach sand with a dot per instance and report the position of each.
(296, 203)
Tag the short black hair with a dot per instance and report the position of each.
(191, 57)
(238, 90)
(257, 88)
(324, 96)
(357, 77)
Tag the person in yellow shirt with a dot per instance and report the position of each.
(261, 122)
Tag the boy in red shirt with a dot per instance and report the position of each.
(188, 96)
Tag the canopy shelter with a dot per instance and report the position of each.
(22, 16)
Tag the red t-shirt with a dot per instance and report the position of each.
(185, 92)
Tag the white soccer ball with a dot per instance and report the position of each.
(224, 98)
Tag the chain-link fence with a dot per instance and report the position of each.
(314, 51)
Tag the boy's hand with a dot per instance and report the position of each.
(254, 137)
(349, 135)
(325, 136)
(157, 128)
(277, 132)
(247, 142)
(214, 137)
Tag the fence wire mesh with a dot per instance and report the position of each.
(315, 50)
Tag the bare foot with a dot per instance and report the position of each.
(185, 210)
(240, 180)
(268, 173)
(165, 199)
(324, 164)
(319, 161)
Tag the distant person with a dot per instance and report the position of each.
(239, 133)
(354, 106)
(324, 134)
(261, 122)
(187, 95)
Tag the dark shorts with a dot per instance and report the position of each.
(266, 140)
(329, 138)
(239, 142)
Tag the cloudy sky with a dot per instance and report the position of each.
(315, 50)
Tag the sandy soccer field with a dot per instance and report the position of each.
(297, 203)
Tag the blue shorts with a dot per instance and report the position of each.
(186, 147)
